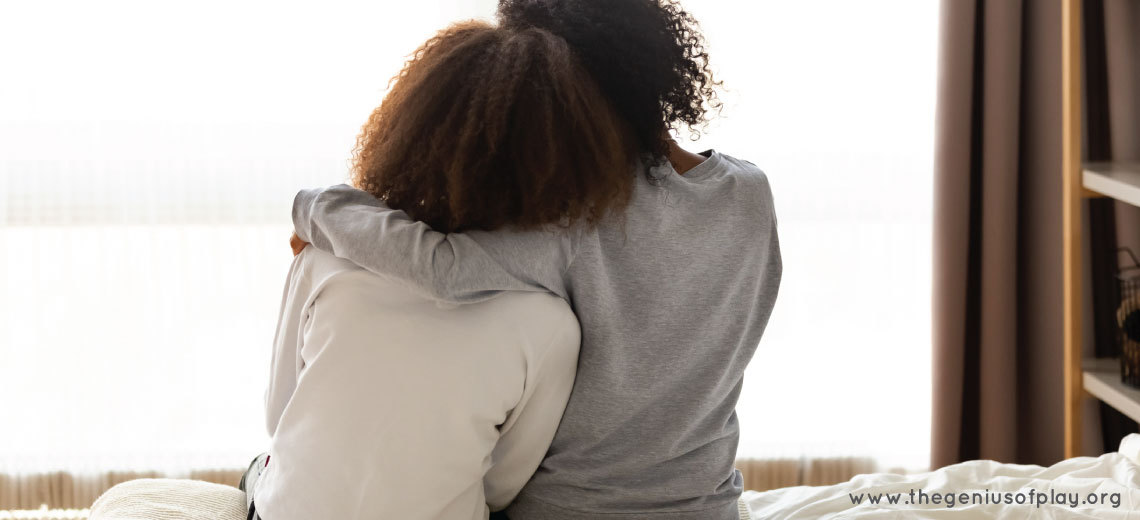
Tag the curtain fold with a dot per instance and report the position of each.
(996, 301)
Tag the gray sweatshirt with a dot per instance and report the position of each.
(672, 296)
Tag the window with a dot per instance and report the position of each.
(152, 151)
(835, 101)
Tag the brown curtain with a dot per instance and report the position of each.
(997, 329)
(997, 241)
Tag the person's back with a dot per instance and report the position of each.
(383, 402)
(673, 300)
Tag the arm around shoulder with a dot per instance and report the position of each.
(354, 225)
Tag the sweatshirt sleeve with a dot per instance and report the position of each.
(448, 267)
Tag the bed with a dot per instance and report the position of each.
(1113, 479)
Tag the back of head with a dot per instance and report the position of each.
(491, 126)
(648, 56)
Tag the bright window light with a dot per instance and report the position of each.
(835, 101)
(151, 151)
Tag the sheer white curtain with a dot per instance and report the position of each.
(149, 152)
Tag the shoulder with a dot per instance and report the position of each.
(348, 289)
(321, 266)
(753, 180)
(745, 170)
(537, 311)
(546, 321)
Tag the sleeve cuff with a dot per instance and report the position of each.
(302, 209)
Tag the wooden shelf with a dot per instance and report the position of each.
(1101, 378)
(1120, 181)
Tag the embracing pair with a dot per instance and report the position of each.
(531, 301)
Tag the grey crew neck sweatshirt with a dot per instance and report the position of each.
(672, 296)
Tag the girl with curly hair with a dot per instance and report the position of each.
(672, 291)
(382, 404)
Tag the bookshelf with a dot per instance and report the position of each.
(1099, 378)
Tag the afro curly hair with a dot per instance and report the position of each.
(489, 127)
(648, 57)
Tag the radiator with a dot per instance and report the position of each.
(32, 495)
(765, 474)
(61, 490)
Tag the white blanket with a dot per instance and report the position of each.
(1108, 476)
(1112, 481)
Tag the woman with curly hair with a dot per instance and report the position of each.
(672, 293)
(382, 404)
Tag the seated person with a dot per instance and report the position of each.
(385, 403)
(673, 294)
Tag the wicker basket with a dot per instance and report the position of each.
(1128, 321)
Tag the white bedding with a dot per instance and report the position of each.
(1113, 477)
(1113, 473)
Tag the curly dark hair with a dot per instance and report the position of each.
(489, 126)
(648, 56)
